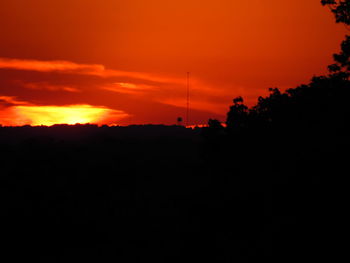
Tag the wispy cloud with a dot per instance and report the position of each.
(8, 101)
(146, 87)
(202, 96)
(49, 66)
(62, 66)
(49, 87)
(129, 88)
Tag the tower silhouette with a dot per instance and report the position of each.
(188, 100)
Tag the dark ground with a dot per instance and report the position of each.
(167, 194)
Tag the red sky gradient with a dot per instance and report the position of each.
(125, 62)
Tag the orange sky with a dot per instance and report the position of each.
(124, 62)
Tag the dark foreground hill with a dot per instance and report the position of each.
(162, 194)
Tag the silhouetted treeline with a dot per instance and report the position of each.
(271, 183)
(291, 152)
(80, 132)
(84, 193)
(287, 158)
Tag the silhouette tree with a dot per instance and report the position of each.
(214, 124)
(341, 10)
(179, 121)
(290, 142)
(271, 108)
(342, 60)
(324, 98)
(238, 115)
(213, 130)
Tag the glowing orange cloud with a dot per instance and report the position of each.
(11, 100)
(48, 66)
(48, 86)
(71, 67)
(50, 115)
(170, 91)
(129, 88)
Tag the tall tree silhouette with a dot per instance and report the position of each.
(238, 115)
(341, 10)
(324, 98)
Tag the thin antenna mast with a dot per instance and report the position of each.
(188, 100)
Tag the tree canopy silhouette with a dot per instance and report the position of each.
(341, 10)
(319, 104)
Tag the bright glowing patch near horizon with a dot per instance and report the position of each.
(72, 114)
(129, 88)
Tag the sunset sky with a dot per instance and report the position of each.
(125, 61)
